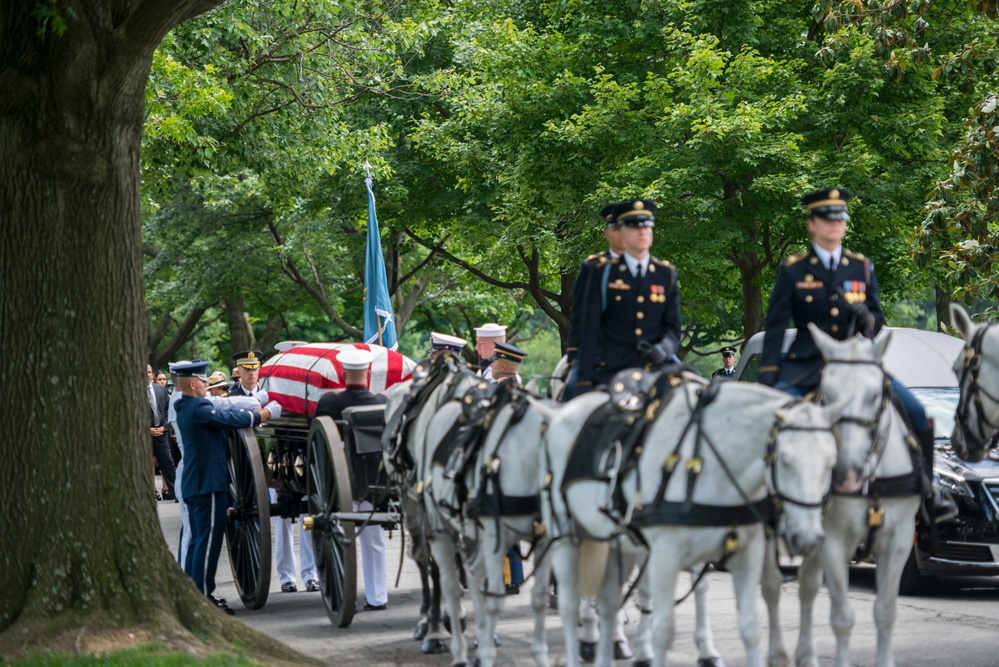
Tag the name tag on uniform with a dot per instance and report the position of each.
(808, 284)
(855, 291)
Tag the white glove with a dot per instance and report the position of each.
(263, 397)
(274, 408)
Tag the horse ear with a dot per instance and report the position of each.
(881, 343)
(823, 341)
(963, 323)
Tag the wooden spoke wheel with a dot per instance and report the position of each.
(248, 520)
(328, 482)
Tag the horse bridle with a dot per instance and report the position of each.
(972, 392)
(873, 424)
(771, 461)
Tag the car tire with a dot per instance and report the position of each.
(913, 581)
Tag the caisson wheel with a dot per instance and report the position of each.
(248, 520)
(328, 483)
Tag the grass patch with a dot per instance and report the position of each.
(149, 655)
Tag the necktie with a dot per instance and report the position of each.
(832, 264)
(152, 405)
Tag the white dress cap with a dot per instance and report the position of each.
(490, 330)
(439, 341)
(354, 359)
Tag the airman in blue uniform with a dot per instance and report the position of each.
(205, 478)
(630, 306)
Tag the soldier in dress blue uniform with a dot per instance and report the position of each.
(836, 290)
(612, 232)
(205, 481)
(728, 364)
(630, 307)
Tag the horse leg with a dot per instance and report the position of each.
(443, 552)
(589, 635)
(539, 605)
(809, 580)
(663, 572)
(707, 654)
(434, 641)
(608, 606)
(423, 625)
(770, 584)
(746, 566)
(643, 639)
(565, 562)
(893, 550)
(489, 605)
(835, 567)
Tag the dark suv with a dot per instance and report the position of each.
(968, 544)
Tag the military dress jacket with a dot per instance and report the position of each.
(202, 430)
(334, 403)
(806, 291)
(619, 311)
(578, 292)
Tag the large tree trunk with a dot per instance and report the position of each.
(79, 537)
(752, 294)
(239, 339)
(943, 301)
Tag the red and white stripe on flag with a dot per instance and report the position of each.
(298, 377)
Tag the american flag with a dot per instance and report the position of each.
(298, 377)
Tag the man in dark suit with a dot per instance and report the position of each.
(356, 371)
(206, 480)
(158, 399)
(836, 290)
(631, 305)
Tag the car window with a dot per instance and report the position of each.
(941, 405)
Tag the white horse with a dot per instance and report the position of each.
(490, 499)
(736, 425)
(978, 371)
(406, 460)
(876, 496)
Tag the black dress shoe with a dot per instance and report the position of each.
(220, 603)
(218, 600)
(289, 587)
(312, 585)
(374, 607)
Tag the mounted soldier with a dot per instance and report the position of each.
(630, 305)
(836, 290)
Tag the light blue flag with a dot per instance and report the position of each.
(379, 322)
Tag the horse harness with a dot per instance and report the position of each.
(875, 488)
(972, 392)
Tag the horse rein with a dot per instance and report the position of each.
(972, 392)
(874, 425)
(771, 460)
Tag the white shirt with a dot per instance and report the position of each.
(636, 266)
(824, 255)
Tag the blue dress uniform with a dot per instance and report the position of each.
(205, 479)
(623, 315)
(809, 292)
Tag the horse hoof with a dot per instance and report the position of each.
(430, 646)
(587, 651)
(422, 628)
(622, 651)
(710, 662)
(642, 663)
(497, 641)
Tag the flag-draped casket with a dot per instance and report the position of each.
(298, 377)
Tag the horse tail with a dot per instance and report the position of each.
(592, 566)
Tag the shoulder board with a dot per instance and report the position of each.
(660, 262)
(854, 255)
(592, 257)
(794, 259)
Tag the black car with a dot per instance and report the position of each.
(968, 544)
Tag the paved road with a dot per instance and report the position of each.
(957, 625)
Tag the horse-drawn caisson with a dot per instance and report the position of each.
(317, 469)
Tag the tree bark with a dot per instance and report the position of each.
(238, 338)
(943, 302)
(752, 294)
(80, 541)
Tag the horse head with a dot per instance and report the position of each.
(977, 368)
(800, 460)
(857, 390)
